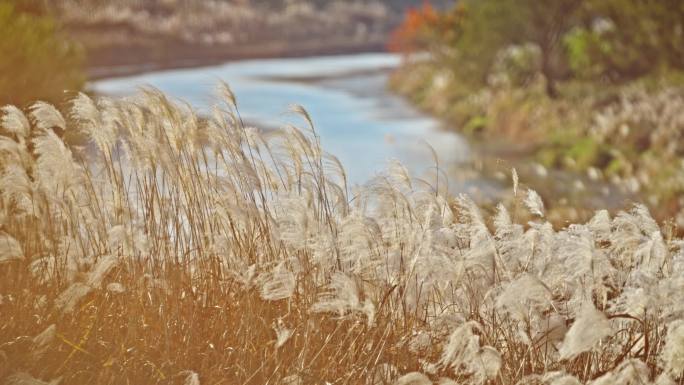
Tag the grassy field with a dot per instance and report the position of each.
(174, 249)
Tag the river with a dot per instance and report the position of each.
(357, 118)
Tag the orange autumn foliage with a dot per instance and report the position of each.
(409, 36)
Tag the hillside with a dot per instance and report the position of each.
(185, 32)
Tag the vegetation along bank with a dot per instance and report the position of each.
(592, 87)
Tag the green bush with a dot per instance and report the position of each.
(36, 61)
(627, 39)
(588, 53)
(517, 65)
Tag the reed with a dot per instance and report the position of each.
(175, 248)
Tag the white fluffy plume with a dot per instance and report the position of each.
(10, 249)
(589, 328)
(534, 203)
(14, 121)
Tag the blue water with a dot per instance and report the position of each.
(358, 120)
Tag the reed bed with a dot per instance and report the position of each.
(174, 248)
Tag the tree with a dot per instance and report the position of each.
(626, 39)
(37, 62)
(492, 25)
(414, 33)
(548, 22)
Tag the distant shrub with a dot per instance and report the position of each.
(516, 65)
(36, 62)
(414, 32)
(587, 52)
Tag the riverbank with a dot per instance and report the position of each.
(601, 145)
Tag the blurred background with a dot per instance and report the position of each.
(97, 35)
(584, 98)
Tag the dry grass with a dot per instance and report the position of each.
(180, 249)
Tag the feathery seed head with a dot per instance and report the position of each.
(47, 117)
(14, 121)
(10, 249)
